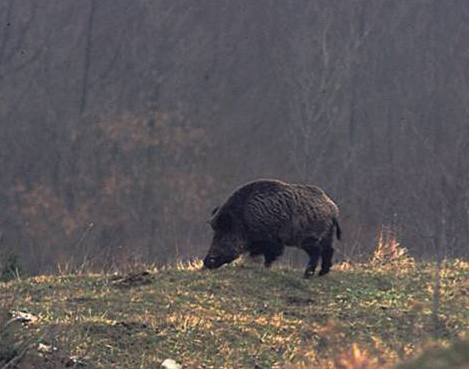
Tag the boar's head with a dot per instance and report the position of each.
(227, 243)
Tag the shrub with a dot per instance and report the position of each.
(10, 268)
(390, 254)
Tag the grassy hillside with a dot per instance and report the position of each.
(240, 316)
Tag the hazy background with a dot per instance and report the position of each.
(124, 123)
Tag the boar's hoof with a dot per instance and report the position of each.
(308, 273)
(323, 272)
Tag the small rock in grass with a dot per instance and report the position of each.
(24, 317)
(170, 364)
(45, 349)
(74, 361)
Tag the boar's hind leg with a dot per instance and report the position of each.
(327, 251)
(326, 256)
(314, 252)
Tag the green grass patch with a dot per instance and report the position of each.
(240, 316)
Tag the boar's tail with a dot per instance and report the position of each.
(337, 228)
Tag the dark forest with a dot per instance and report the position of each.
(124, 123)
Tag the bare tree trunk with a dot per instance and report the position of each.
(6, 31)
(87, 59)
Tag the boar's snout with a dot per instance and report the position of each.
(225, 248)
(213, 262)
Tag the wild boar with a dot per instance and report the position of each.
(264, 216)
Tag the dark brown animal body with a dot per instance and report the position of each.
(264, 216)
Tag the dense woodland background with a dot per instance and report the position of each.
(124, 123)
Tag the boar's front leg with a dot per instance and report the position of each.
(272, 252)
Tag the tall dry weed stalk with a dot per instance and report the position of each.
(390, 254)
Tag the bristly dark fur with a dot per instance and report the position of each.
(264, 216)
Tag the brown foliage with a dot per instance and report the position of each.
(132, 193)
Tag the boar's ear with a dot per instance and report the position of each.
(224, 222)
(212, 219)
(221, 221)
